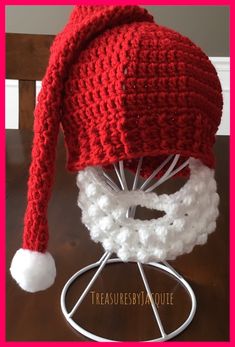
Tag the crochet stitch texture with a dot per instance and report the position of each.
(190, 216)
(121, 87)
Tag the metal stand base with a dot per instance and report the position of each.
(100, 264)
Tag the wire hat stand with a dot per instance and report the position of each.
(106, 259)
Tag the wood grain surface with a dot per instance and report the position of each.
(27, 56)
(26, 60)
(27, 102)
(38, 317)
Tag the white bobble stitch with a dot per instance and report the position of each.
(80, 177)
(95, 233)
(189, 249)
(172, 209)
(124, 235)
(142, 256)
(123, 254)
(212, 186)
(91, 190)
(216, 213)
(133, 239)
(188, 237)
(93, 211)
(118, 213)
(179, 224)
(143, 235)
(188, 200)
(160, 254)
(177, 246)
(103, 202)
(82, 201)
(211, 227)
(108, 244)
(199, 187)
(201, 240)
(106, 223)
(162, 231)
(216, 199)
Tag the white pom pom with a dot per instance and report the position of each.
(32, 270)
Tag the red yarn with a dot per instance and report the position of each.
(122, 87)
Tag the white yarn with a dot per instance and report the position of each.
(190, 215)
(33, 271)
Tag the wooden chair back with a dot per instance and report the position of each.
(26, 61)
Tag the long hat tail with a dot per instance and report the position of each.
(32, 267)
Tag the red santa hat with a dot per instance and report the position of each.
(120, 87)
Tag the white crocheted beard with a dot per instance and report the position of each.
(190, 215)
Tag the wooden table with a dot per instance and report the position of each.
(38, 317)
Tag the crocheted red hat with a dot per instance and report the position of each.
(121, 87)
